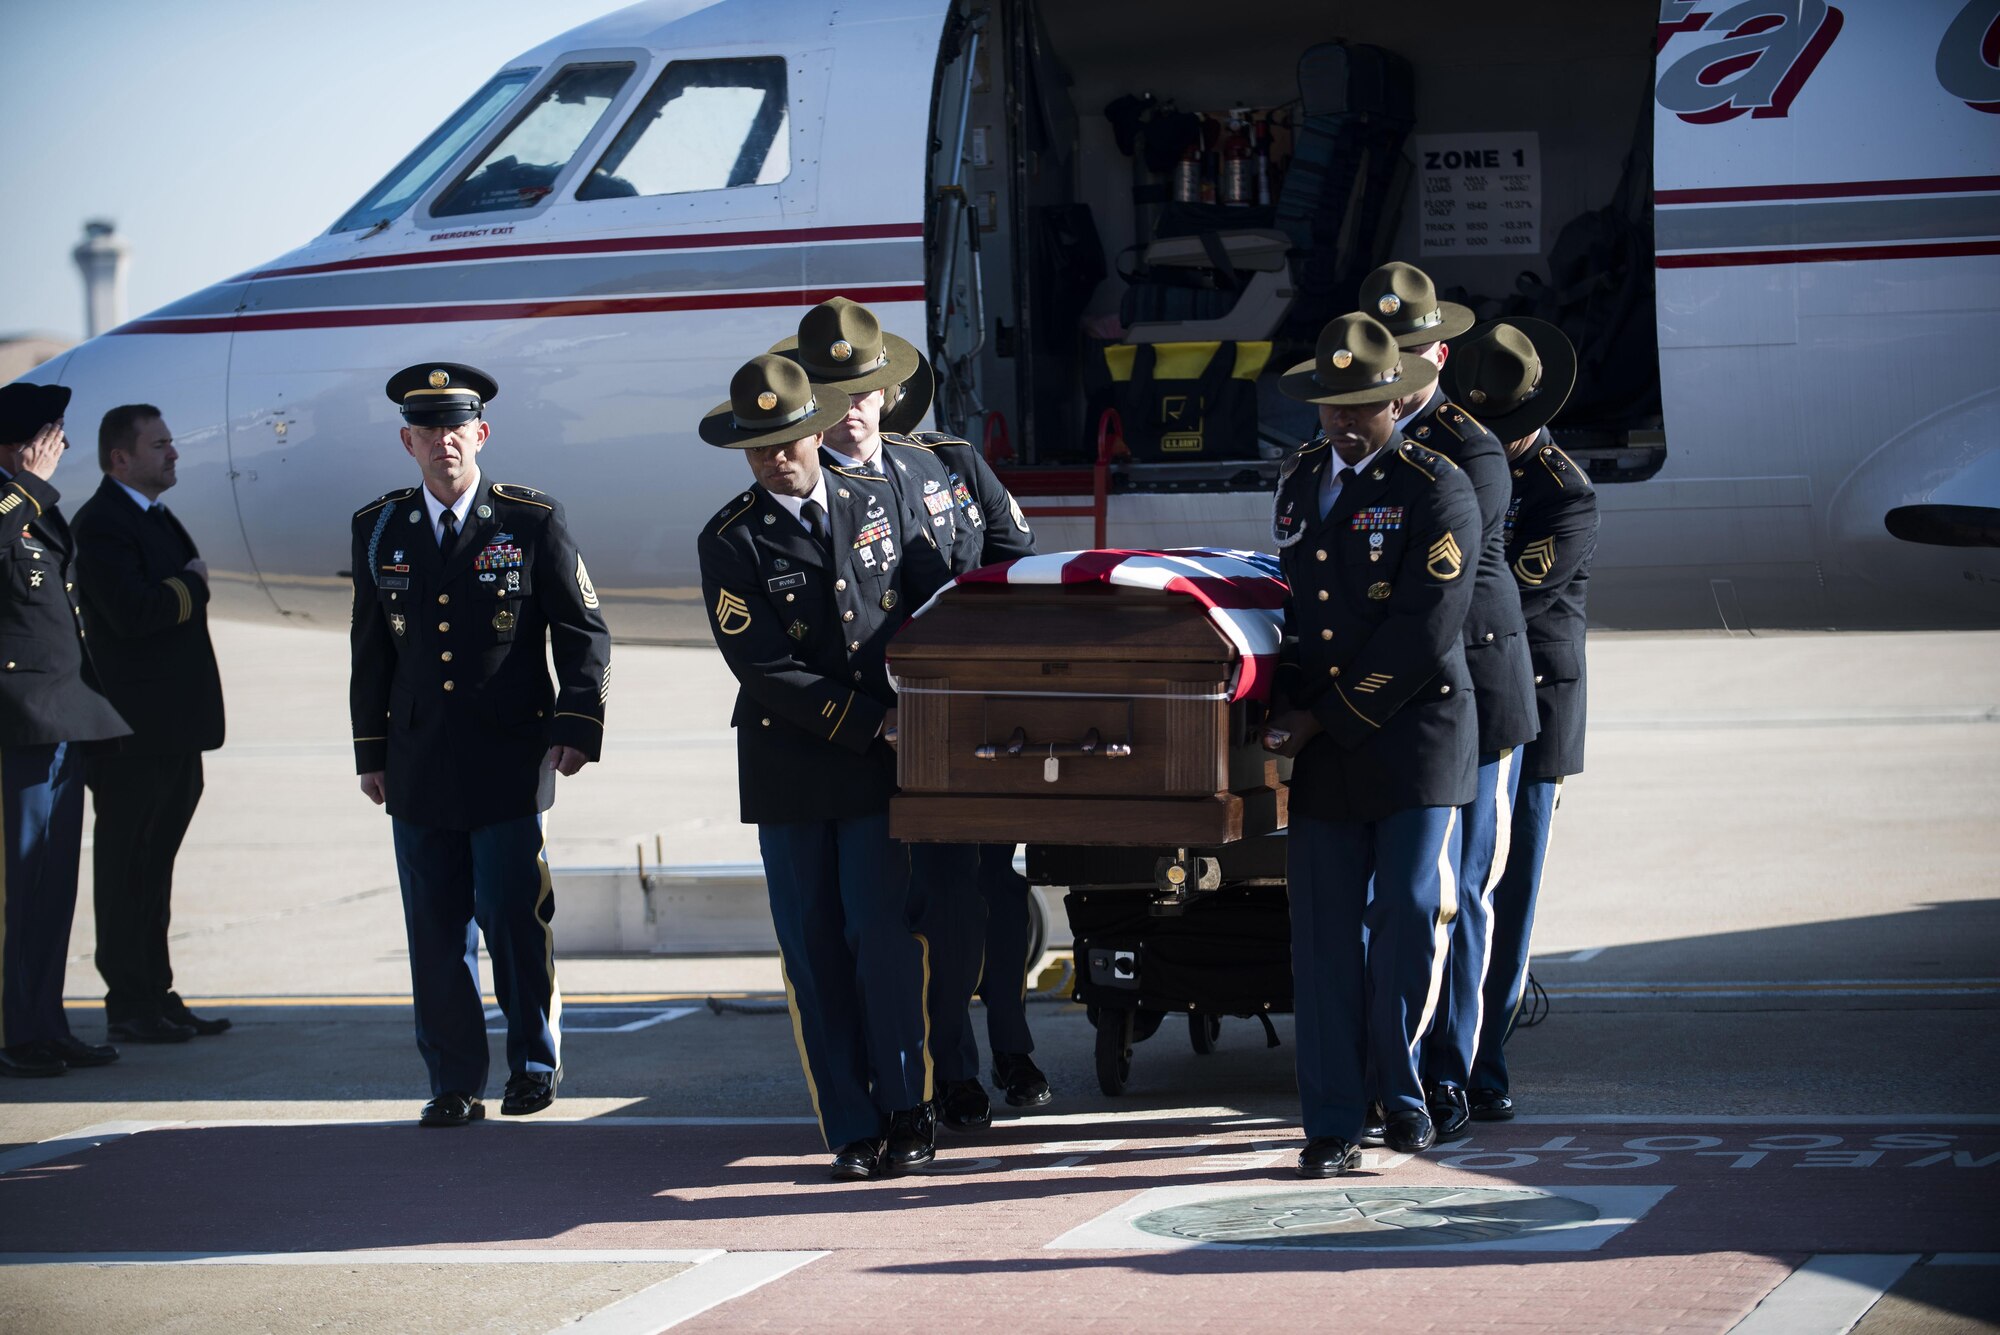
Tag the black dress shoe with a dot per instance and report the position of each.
(147, 1029)
(912, 1140)
(1490, 1105)
(962, 1105)
(30, 1059)
(73, 1051)
(452, 1110)
(1409, 1132)
(1020, 1080)
(857, 1160)
(1449, 1114)
(1328, 1156)
(177, 1011)
(529, 1092)
(1372, 1129)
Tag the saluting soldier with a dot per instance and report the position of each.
(49, 703)
(1403, 297)
(949, 489)
(806, 576)
(1377, 535)
(1519, 372)
(461, 587)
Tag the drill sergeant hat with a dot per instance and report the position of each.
(25, 409)
(1357, 362)
(442, 393)
(906, 413)
(841, 343)
(1403, 297)
(1515, 375)
(772, 403)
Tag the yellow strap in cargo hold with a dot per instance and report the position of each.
(1186, 361)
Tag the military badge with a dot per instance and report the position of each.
(439, 379)
(583, 584)
(1342, 359)
(888, 599)
(399, 555)
(841, 350)
(879, 531)
(1446, 560)
(972, 513)
(797, 630)
(416, 516)
(937, 502)
(497, 556)
(503, 621)
(513, 581)
(732, 614)
(34, 579)
(487, 577)
(781, 564)
(1389, 304)
(484, 512)
(398, 623)
(1378, 591)
(767, 400)
(868, 557)
(1014, 509)
(1376, 518)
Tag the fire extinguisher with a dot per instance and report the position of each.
(1238, 172)
(1187, 173)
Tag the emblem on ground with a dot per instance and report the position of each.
(1369, 1217)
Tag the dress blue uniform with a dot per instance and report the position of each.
(451, 701)
(803, 621)
(1379, 585)
(49, 704)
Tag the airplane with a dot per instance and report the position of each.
(616, 220)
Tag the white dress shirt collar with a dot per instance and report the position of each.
(793, 504)
(458, 507)
(1403, 422)
(1329, 481)
(138, 497)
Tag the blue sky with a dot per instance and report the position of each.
(219, 133)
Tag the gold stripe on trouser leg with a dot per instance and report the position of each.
(1520, 988)
(799, 1038)
(1503, 844)
(923, 1004)
(1441, 930)
(549, 943)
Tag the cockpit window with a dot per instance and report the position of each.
(414, 174)
(706, 125)
(521, 169)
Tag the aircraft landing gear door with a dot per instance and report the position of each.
(308, 449)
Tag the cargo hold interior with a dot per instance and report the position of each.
(1057, 249)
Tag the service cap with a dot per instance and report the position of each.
(441, 393)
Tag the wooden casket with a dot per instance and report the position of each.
(1107, 698)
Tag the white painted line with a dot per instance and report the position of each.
(648, 1017)
(1965, 1258)
(1825, 1296)
(1575, 957)
(1137, 1115)
(380, 1256)
(675, 1300)
(1117, 1229)
(76, 1142)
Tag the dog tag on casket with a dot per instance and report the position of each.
(1050, 769)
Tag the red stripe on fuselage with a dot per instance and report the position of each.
(599, 246)
(508, 310)
(1750, 194)
(1924, 250)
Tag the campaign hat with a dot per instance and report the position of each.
(841, 343)
(907, 413)
(1403, 297)
(1356, 362)
(772, 402)
(26, 409)
(1514, 374)
(441, 393)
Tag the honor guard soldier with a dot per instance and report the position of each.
(949, 489)
(461, 587)
(1520, 373)
(1377, 536)
(49, 703)
(806, 576)
(1403, 298)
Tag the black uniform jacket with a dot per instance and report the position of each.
(1496, 641)
(450, 693)
(985, 510)
(922, 482)
(48, 689)
(1551, 536)
(805, 631)
(147, 616)
(1378, 594)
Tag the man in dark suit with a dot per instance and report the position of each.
(1520, 372)
(49, 703)
(145, 597)
(806, 576)
(462, 588)
(1378, 536)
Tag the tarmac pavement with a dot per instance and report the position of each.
(1764, 1093)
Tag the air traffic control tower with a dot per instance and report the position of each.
(102, 256)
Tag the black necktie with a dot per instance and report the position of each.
(449, 537)
(1345, 479)
(815, 516)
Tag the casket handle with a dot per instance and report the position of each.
(1018, 747)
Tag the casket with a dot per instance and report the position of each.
(1099, 698)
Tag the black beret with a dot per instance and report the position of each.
(26, 409)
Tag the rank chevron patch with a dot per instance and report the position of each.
(1532, 566)
(1446, 560)
(732, 614)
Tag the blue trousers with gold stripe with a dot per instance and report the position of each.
(950, 914)
(855, 974)
(1514, 895)
(1003, 984)
(1352, 1004)
(458, 884)
(41, 790)
(1486, 829)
